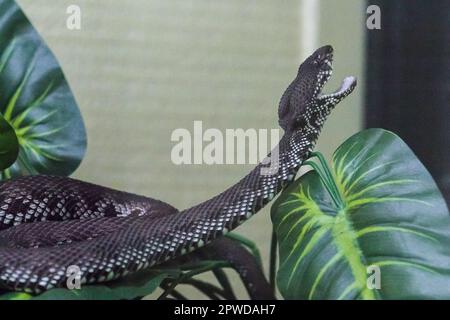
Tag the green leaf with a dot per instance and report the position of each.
(9, 145)
(36, 100)
(380, 207)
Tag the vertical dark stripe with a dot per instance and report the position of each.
(408, 79)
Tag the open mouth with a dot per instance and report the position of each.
(347, 85)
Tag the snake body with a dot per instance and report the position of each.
(48, 224)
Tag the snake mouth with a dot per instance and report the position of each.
(346, 87)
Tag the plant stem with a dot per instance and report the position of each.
(171, 291)
(225, 283)
(324, 178)
(247, 243)
(168, 289)
(195, 269)
(327, 177)
(273, 261)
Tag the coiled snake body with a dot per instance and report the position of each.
(50, 223)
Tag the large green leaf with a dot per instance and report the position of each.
(9, 145)
(36, 100)
(387, 212)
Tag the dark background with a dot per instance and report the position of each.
(408, 80)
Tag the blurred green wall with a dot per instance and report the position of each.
(140, 69)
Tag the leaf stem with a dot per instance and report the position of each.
(222, 278)
(330, 182)
(194, 269)
(327, 183)
(247, 243)
(273, 261)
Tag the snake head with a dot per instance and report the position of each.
(303, 106)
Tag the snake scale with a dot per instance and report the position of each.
(49, 223)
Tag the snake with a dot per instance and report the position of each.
(50, 223)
